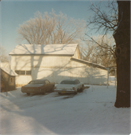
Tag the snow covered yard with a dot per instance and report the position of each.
(89, 112)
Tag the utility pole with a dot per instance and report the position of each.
(107, 76)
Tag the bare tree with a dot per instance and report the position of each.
(117, 23)
(122, 39)
(3, 56)
(105, 23)
(51, 28)
(100, 51)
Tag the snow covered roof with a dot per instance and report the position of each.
(6, 68)
(87, 62)
(50, 49)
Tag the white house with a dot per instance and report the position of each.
(54, 62)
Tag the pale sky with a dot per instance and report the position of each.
(14, 13)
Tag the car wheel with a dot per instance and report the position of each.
(82, 88)
(76, 91)
(28, 94)
(79, 90)
(43, 93)
(53, 88)
(59, 93)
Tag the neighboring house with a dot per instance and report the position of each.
(54, 62)
(7, 77)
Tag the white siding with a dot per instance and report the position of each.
(88, 74)
(77, 53)
(41, 67)
(22, 80)
(29, 62)
(56, 68)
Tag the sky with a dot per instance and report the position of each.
(13, 13)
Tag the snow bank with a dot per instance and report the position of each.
(111, 78)
(89, 112)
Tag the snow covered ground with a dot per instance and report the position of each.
(87, 113)
(111, 78)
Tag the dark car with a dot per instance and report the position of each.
(40, 86)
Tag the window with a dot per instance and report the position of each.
(47, 82)
(20, 72)
(28, 72)
(17, 71)
(36, 82)
(77, 81)
(68, 82)
(23, 72)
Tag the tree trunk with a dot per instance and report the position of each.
(122, 39)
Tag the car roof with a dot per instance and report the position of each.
(69, 80)
(39, 80)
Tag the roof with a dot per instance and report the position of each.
(69, 80)
(39, 80)
(89, 63)
(50, 49)
(6, 68)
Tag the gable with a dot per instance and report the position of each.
(77, 53)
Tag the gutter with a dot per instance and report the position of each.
(89, 63)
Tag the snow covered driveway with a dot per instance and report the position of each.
(89, 112)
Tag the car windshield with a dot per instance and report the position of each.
(36, 82)
(68, 82)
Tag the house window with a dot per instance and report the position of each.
(23, 72)
(17, 71)
(28, 72)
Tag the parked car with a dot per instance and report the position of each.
(69, 86)
(40, 86)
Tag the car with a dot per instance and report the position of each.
(40, 86)
(69, 86)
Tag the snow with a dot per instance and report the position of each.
(87, 62)
(6, 68)
(87, 113)
(55, 49)
(111, 78)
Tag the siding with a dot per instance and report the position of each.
(88, 74)
(77, 53)
(83, 72)
(56, 68)
(40, 66)
(8, 82)
(29, 62)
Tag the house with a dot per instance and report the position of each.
(54, 62)
(7, 77)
